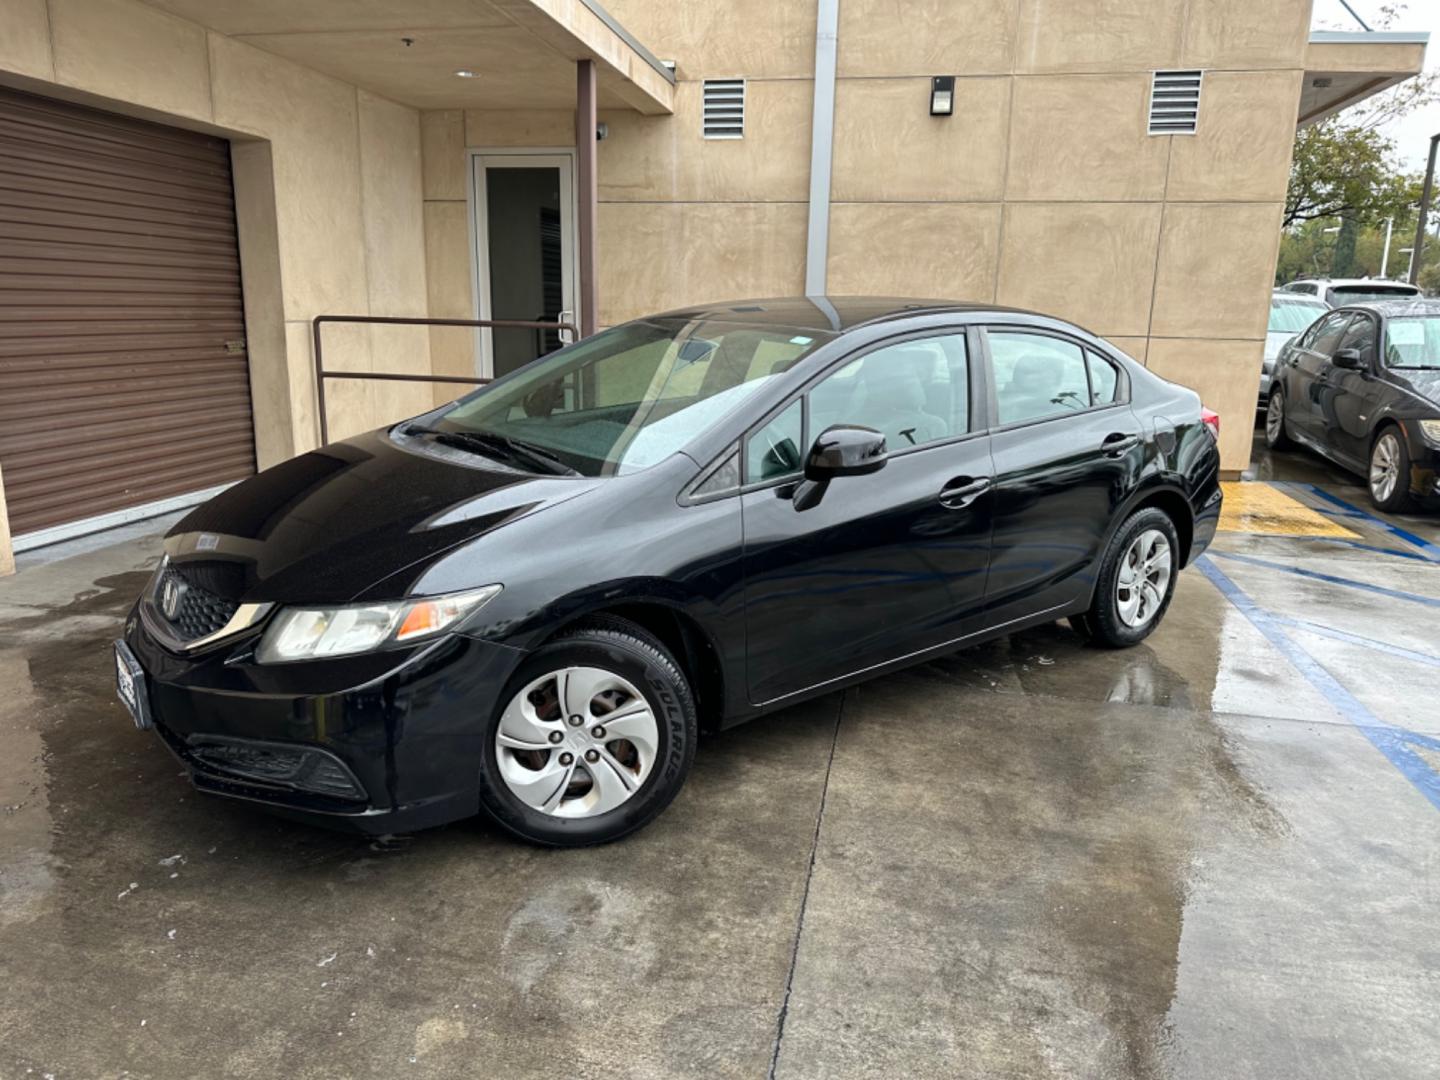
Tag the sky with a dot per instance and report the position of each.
(1412, 133)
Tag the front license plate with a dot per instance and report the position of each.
(130, 685)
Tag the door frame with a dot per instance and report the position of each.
(477, 160)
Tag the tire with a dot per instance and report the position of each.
(1276, 435)
(610, 667)
(1120, 618)
(1388, 478)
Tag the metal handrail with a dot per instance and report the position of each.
(396, 320)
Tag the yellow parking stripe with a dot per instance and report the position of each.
(1255, 507)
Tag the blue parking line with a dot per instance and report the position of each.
(1371, 547)
(1397, 744)
(1329, 579)
(1355, 639)
(1431, 551)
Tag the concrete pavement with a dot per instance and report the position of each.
(1212, 855)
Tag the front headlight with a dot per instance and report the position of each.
(1431, 430)
(308, 633)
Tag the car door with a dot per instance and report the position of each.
(1349, 398)
(1067, 450)
(884, 564)
(1309, 375)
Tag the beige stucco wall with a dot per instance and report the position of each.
(328, 193)
(1042, 191)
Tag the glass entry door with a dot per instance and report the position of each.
(525, 254)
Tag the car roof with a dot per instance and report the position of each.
(1290, 297)
(1417, 305)
(833, 314)
(1346, 282)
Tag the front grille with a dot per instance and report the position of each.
(200, 612)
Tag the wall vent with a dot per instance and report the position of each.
(724, 116)
(1174, 102)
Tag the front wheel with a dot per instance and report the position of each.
(1276, 437)
(1390, 472)
(592, 738)
(1135, 583)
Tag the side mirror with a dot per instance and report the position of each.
(845, 450)
(841, 450)
(1349, 359)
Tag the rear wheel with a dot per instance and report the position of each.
(594, 735)
(1390, 471)
(1135, 584)
(1276, 437)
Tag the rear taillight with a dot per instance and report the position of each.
(1211, 419)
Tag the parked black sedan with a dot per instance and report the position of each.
(531, 600)
(1362, 387)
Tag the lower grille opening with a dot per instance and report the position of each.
(299, 768)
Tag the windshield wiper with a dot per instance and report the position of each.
(497, 445)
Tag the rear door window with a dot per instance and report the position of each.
(1037, 376)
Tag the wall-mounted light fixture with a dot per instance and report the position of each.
(602, 131)
(466, 73)
(942, 95)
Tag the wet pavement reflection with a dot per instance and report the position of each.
(1188, 859)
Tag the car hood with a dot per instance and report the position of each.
(1275, 341)
(325, 526)
(1425, 384)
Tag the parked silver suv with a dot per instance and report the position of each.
(1337, 291)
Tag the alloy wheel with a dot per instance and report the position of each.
(1384, 467)
(577, 742)
(1275, 416)
(1144, 578)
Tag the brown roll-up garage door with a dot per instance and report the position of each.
(123, 374)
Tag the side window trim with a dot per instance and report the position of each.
(1122, 386)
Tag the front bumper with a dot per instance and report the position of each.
(380, 743)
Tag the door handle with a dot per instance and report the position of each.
(962, 491)
(1117, 444)
(565, 336)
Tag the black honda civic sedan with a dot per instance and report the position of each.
(530, 602)
(1362, 387)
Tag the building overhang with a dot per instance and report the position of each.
(520, 54)
(1343, 68)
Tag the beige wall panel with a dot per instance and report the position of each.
(7, 555)
(926, 37)
(520, 127)
(300, 371)
(1242, 148)
(1246, 34)
(756, 38)
(639, 159)
(25, 43)
(1091, 263)
(654, 257)
(311, 122)
(442, 142)
(349, 403)
(130, 51)
(942, 250)
(1111, 35)
(1226, 375)
(1216, 270)
(665, 158)
(1082, 137)
(889, 148)
(253, 174)
(1133, 347)
(390, 179)
(447, 276)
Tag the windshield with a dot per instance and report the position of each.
(1413, 341)
(1353, 294)
(1292, 316)
(631, 396)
